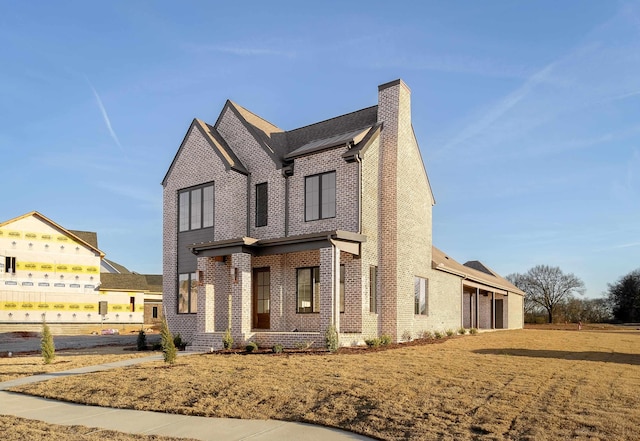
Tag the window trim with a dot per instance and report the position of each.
(342, 292)
(190, 214)
(193, 285)
(319, 201)
(420, 282)
(265, 222)
(373, 289)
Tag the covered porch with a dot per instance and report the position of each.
(287, 291)
(484, 307)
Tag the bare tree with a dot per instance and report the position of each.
(547, 287)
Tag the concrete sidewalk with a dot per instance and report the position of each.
(153, 423)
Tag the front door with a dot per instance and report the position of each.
(499, 314)
(261, 298)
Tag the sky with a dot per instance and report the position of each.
(527, 113)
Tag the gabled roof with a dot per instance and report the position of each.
(477, 265)
(88, 236)
(218, 145)
(442, 262)
(116, 266)
(70, 233)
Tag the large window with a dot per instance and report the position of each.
(187, 293)
(420, 288)
(373, 288)
(195, 207)
(320, 196)
(309, 289)
(262, 196)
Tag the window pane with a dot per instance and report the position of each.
(183, 209)
(316, 289)
(196, 209)
(207, 207)
(183, 293)
(328, 195)
(193, 302)
(312, 198)
(304, 290)
(420, 290)
(373, 289)
(261, 204)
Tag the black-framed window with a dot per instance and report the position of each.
(195, 208)
(262, 205)
(308, 289)
(154, 312)
(9, 264)
(320, 196)
(187, 293)
(421, 295)
(373, 288)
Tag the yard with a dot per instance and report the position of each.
(526, 384)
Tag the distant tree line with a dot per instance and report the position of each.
(552, 297)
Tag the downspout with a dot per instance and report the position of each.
(248, 205)
(359, 195)
(286, 205)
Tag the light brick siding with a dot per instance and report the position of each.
(444, 305)
(515, 313)
(196, 163)
(346, 193)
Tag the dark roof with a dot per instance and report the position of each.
(130, 281)
(352, 137)
(89, 237)
(477, 265)
(120, 268)
(154, 282)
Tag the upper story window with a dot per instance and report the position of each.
(320, 196)
(262, 197)
(195, 208)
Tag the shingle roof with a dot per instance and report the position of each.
(352, 137)
(89, 237)
(120, 268)
(443, 262)
(128, 282)
(154, 282)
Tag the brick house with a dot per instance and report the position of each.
(276, 235)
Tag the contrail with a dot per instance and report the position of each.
(104, 114)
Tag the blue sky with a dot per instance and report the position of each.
(527, 113)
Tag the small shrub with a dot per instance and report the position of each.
(168, 348)
(406, 335)
(304, 345)
(373, 342)
(156, 346)
(473, 331)
(427, 335)
(141, 342)
(47, 345)
(178, 343)
(227, 339)
(449, 332)
(438, 335)
(462, 331)
(385, 339)
(251, 346)
(331, 338)
(277, 348)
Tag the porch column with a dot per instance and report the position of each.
(330, 288)
(206, 295)
(477, 314)
(493, 310)
(240, 275)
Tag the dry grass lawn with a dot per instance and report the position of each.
(20, 429)
(24, 366)
(525, 385)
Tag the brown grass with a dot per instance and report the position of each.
(23, 366)
(20, 429)
(526, 385)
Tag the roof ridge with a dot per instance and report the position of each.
(329, 119)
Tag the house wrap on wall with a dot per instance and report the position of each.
(276, 235)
